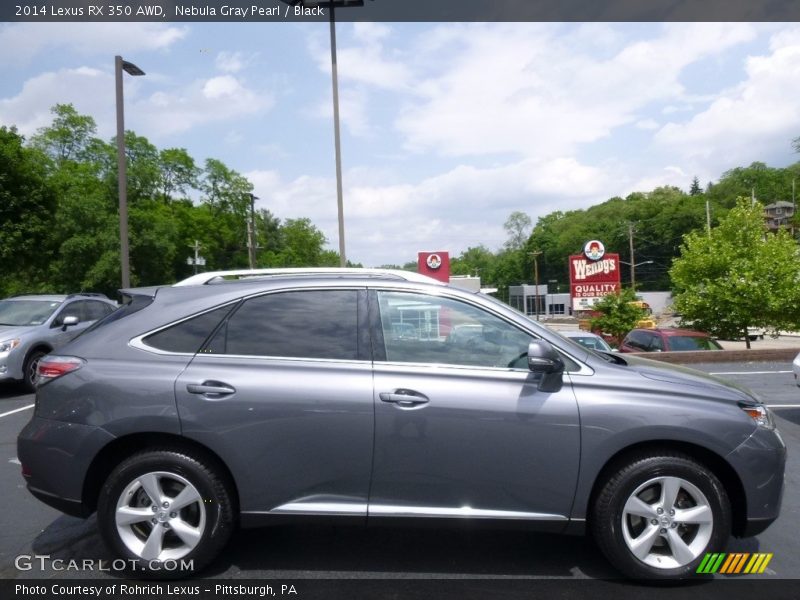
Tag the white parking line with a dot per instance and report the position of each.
(748, 372)
(14, 460)
(774, 406)
(11, 412)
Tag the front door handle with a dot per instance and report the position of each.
(403, 397)
(212, 389)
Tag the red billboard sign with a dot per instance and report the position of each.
(434, 264)
(592, 275)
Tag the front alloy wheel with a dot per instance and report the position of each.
(657, 515)
(667, 522)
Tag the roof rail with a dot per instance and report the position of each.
(217, 276)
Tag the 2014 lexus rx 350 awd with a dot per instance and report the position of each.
(199, 407)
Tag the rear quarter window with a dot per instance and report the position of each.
(187, 337)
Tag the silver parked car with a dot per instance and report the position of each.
(198, 407)
(33, 325)
(588, 339)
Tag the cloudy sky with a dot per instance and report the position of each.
(447, 128)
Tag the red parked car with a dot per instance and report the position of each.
(667, 340)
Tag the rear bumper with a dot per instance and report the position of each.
(55, 458)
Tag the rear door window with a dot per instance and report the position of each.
(317, 324)
(94, 310)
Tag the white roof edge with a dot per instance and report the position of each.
(203, 278)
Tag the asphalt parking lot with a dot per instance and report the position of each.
(328, 552)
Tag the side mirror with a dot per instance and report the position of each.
(546, 361)
(69, 322)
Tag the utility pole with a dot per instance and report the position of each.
(197, 259)
(633, 258)
(535, 254)
(251, 233)
(708, 218)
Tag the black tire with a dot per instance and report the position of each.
(210, 517)
(29, 370)
(645, 477)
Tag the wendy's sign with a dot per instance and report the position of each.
(592, 275)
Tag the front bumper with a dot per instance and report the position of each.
(10, 366)
(56, 457)
(760, 462)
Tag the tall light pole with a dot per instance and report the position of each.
(131, 69)
(331, 5)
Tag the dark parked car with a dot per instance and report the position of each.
(196, 408)
(669, 339)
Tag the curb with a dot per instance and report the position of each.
(722, 356)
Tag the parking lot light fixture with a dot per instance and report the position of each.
(332, 5)
(121, 65)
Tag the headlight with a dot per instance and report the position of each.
(760, 414)
(8, 345)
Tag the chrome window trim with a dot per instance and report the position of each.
(138, 341)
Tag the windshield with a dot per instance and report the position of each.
(685, 342)
(591, 342)
(22, 313)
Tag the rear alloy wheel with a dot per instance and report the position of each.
(31, 364)
(658, 516)
(162, 509)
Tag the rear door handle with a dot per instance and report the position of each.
(403, 397)
(212, 389)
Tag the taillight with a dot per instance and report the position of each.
(52, 367)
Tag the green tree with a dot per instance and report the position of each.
(695, 190)
(474, 260)
(738, 276)
(518, 226)
(68, 137)
(617, 314)
(177, 173)
(303, 246)
(27, 204)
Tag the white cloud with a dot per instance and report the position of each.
(463, 207)
(91, 91)
(502, 89)
(647, 124)
(352, 111)
(202, 101)
(750, 119)
(232, 62)
(26, 41)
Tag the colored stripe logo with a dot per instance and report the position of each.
(734, 563)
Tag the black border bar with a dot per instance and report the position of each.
(404, 11)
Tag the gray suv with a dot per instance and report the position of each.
(33, 325)
(197, 408)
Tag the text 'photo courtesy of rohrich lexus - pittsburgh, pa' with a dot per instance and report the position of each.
(225, 402)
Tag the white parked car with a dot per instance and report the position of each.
(796, 369)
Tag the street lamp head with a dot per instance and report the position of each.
(131, 69)
(325, 3)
